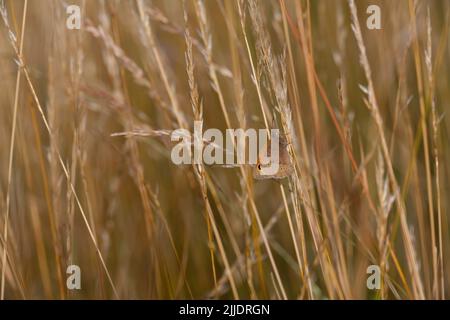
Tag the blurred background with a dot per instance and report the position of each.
(86, 177)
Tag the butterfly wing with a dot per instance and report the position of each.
(285, 167)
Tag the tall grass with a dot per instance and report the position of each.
(86, 176)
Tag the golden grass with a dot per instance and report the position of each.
(86, 176)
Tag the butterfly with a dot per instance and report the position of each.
(285, 167)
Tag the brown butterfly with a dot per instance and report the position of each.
(285, 167)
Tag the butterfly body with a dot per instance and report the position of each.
(285, 167)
